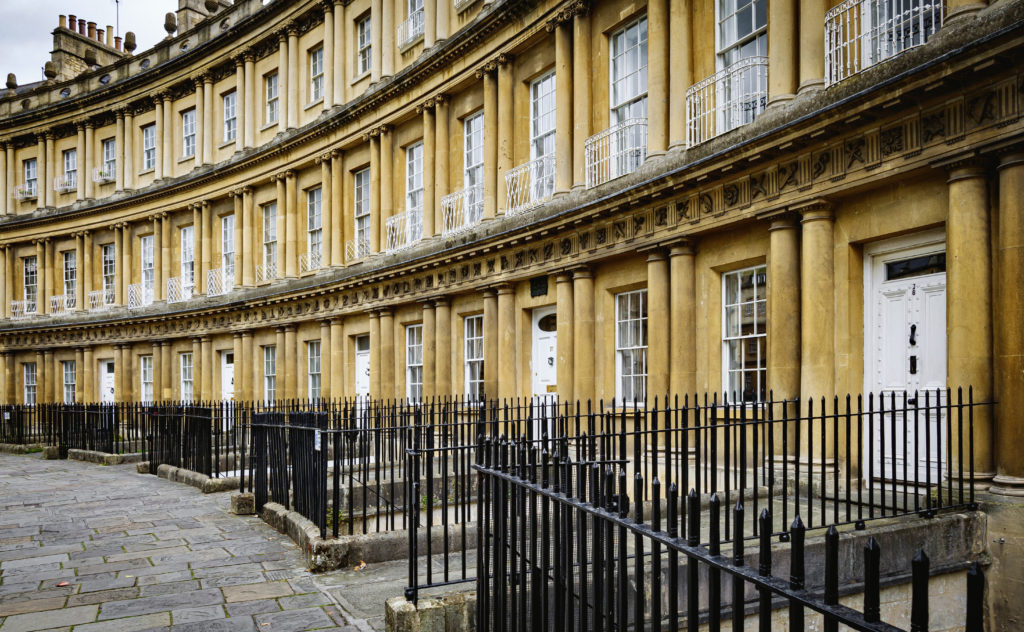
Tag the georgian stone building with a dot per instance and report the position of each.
(599, 199)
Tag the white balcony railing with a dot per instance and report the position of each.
(404, 229)
(357, 249)
(66, 183)
(266, 271)
(411, 29)
(25, 192)
(862, 33)
(100, 299)
(616, 151)
(23, 309)
(726, 100)
(139, 296)
(462, 5)
(176, 291)
(219, 281)
(529, 184)
(62, 303)
(462, 209)
(309, 261)
(102, 175)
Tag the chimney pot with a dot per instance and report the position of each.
(81, 26)
(72, 22)
(91, 30)
(117, 42)
(109, 40)
(63, 22)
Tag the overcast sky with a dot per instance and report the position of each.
(26, 28)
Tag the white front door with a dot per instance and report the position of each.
(362, 366)
(107, 381)
(906, 357)
(544, 360)
(227, 375)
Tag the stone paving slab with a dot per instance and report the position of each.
(141, 553)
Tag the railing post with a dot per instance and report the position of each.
(831, 575)
(872, 556)
(975, 599)
(919, 597)
(796, 573)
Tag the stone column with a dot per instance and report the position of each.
(51, 171)
(127, 150)
(817, 303)
(291, 253)
(563, 107)
(5, 299)
(326, 210)
(79, 376)
(119, 146)
(118, 266)
(490, 344)
(80, 164)
(118, 373)
(812, 44)
(441, 185)
(442, 20)
(88, 377)
(376, 217)
(294, 84)
(784, 346)
(340, 54)
(658, 320)
(337, 256)
(291, 366)
(491, 115)
(1009, 339)
(201, 244)
(126, 261)
(128, 373)
(250, 99)
(428, 169)
(507, 363)
(387, 183)
(249, 248)
(959, 9)
(325, 360)
(165, 247)
(240, 104)
(243, 373)
(387, 355)
(443, 355)
(565, 335)
(52, 281)
(241, 254)
(969, 302)
(506, 130)
(376, 8)
(283, 83)
(8, 201)
(387, 38)
(430, 22)
(783, 42)
(236, 351)
(337, 358)
(41, 171)
(158, 377)
(329, 57)
(168, 137)
(158, 162)
(209, 134)
(658, 37)
(280, 358)
(90, 160)
(200, 122)
(375, 355)
(87, 270)
(206, 368)
(197, 371)
(282, 222)
(7, 182)
(81, 272)
(159, 282)
(166, 371)
(429, 351)
(583, 334)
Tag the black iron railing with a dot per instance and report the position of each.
(209, 438)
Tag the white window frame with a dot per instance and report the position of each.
(473, 166)
(149, 147)
(414, 362)
(364, 45)
(473, 357)
(271, 112)
(314, 224)
(414, 191)
(230, 103)
(109, 155)
(70, 269)
(186, 386)
(734, 339)
(29, 383)
(108, 269)
(631, 340)
(70, 160)
(270, 235)
(269, 373)
(316, 74)
(188, 133)
(361, 205)
(543, 118)
(30, 168)
(146, 378)
(227, 248)
(188, 264)
(68, 370)
(313, 384)
(628, 101)
(146, 264)
(30, 282)
(729, 44)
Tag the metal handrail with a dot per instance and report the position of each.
(411, 28)
(529, 184)
(731, 97)
(616, 151)
(462, 209)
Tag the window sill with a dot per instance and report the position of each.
(270, 125)
(145, 171)
(404, 48)
(359, 78)
(186, 159)
(309, 106)
(227, 144)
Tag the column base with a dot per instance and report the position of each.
(1007, 485)
(811, 85)
(961, 13)
(779, 100)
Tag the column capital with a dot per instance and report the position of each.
(282, 35)
(249, 55)
(326, 322)
(197, 339)
(119, 113)
(327, 5)
(337, 153)
(441, 99)
(337, 320)
(246, 333)
(582, 272)
(504, 58)
(247, 190)
(290, 327)
(292, 28)
(1012, 157)
(236, 334)
(156, 344)
(505, 288)
(812, 210)
(441, 301)
(239, 60)
(290, 174)
(373, 315)
(486, 69)
(384, 313)
(682, 247)
(427, 303)
(564, 276)
(165, 343)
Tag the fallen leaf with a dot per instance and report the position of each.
(62, 584)
(361, 566)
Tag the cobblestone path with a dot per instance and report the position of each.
(88, 548)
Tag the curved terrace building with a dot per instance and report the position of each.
(605, 199)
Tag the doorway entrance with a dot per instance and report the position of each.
(106, 381)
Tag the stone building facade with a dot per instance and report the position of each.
(599, 199)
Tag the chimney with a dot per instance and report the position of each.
(117, 42)
(72, 22)
(109, 41)
(81, 26)
(91, 30)
(63, 22)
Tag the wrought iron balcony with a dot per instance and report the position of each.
(309, 261)
(23, 308)
(25, 192)
(102, 175)
(62, 303)
(616, 151)
(731, 97)
(266, 271)
(404, 229)
(862, 33)
(66, 183)
(411, 29)
(462, 209)
(529, 184)
(219, 281)
(139, 296)
(357, 249)
(101, 299)
(178, 291)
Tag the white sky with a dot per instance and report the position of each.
(26, 28)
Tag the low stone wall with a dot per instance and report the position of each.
(200, 481)
(452, 613)
(103, 458)
(349, 550)
(50, 452)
